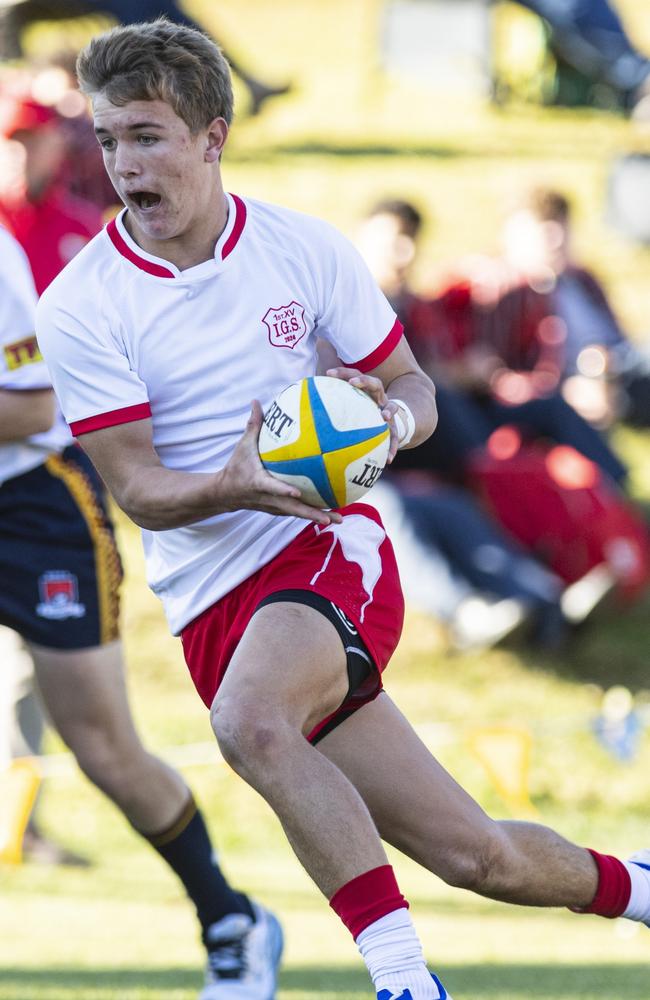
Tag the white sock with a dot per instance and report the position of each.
(638, 907)
(393, 954)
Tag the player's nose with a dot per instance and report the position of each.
(126, 162)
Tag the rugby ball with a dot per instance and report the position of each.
(326, 437)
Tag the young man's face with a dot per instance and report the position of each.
(163, 173)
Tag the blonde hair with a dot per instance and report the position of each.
(159, 60)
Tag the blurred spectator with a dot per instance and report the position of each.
(455, 563)
(589, 36)
(552, 303)
(19, 14)
(53, 84)
(51, 224)
(484, 439)
(456, 341)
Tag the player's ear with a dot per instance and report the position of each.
(215, 137)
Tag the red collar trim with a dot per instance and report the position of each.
(237, 229)
(159, 270)
(122, 247)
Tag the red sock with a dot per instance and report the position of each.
(367, 898)
(614, 887)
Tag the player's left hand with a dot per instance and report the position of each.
(374, 387)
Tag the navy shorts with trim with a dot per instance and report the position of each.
(60, 571)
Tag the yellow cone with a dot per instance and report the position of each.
(504, 752)
(19, 783)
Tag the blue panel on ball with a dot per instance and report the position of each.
(329, 438)
(313, 468)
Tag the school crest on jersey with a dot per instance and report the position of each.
(59, 594)
(22, 352)
(285, 324)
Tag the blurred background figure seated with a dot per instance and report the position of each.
(487, 373)
(554, 302)
(506, 434)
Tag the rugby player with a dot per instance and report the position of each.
(192, 303)
(60, 574)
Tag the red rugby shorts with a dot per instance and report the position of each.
(351, 564)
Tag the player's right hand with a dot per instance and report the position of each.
(244, 483)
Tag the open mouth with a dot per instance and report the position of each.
(146, 201)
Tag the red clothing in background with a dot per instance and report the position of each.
(51, 231)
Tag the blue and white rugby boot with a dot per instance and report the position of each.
(642, 860)
(407, 995)
(243, 957)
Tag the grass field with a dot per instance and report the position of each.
(122, 930)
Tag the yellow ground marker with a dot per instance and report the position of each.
(19, 784)
(504, 752)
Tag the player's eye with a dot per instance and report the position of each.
(107, 144)
(147, 140)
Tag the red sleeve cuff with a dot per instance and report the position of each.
(380, 353)
(125, 415)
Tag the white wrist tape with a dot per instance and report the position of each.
(404, 432)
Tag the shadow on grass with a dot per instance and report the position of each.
(269, 154)
(361, 150)
(545, 982)
(611, 647)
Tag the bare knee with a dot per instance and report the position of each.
(105, 760)
(250, 738)
(478, 863)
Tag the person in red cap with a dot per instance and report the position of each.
(51, 224)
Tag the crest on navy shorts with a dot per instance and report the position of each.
(286, 324)
(59, 594)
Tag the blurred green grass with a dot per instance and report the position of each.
(122, 930)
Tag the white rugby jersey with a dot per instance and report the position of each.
(127, 335)
(21, 362)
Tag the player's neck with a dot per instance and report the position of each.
(194, 245)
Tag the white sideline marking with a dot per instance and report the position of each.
(62, 765)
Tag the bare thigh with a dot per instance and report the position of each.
(84, 691)
(416, 805)
(289, 666)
